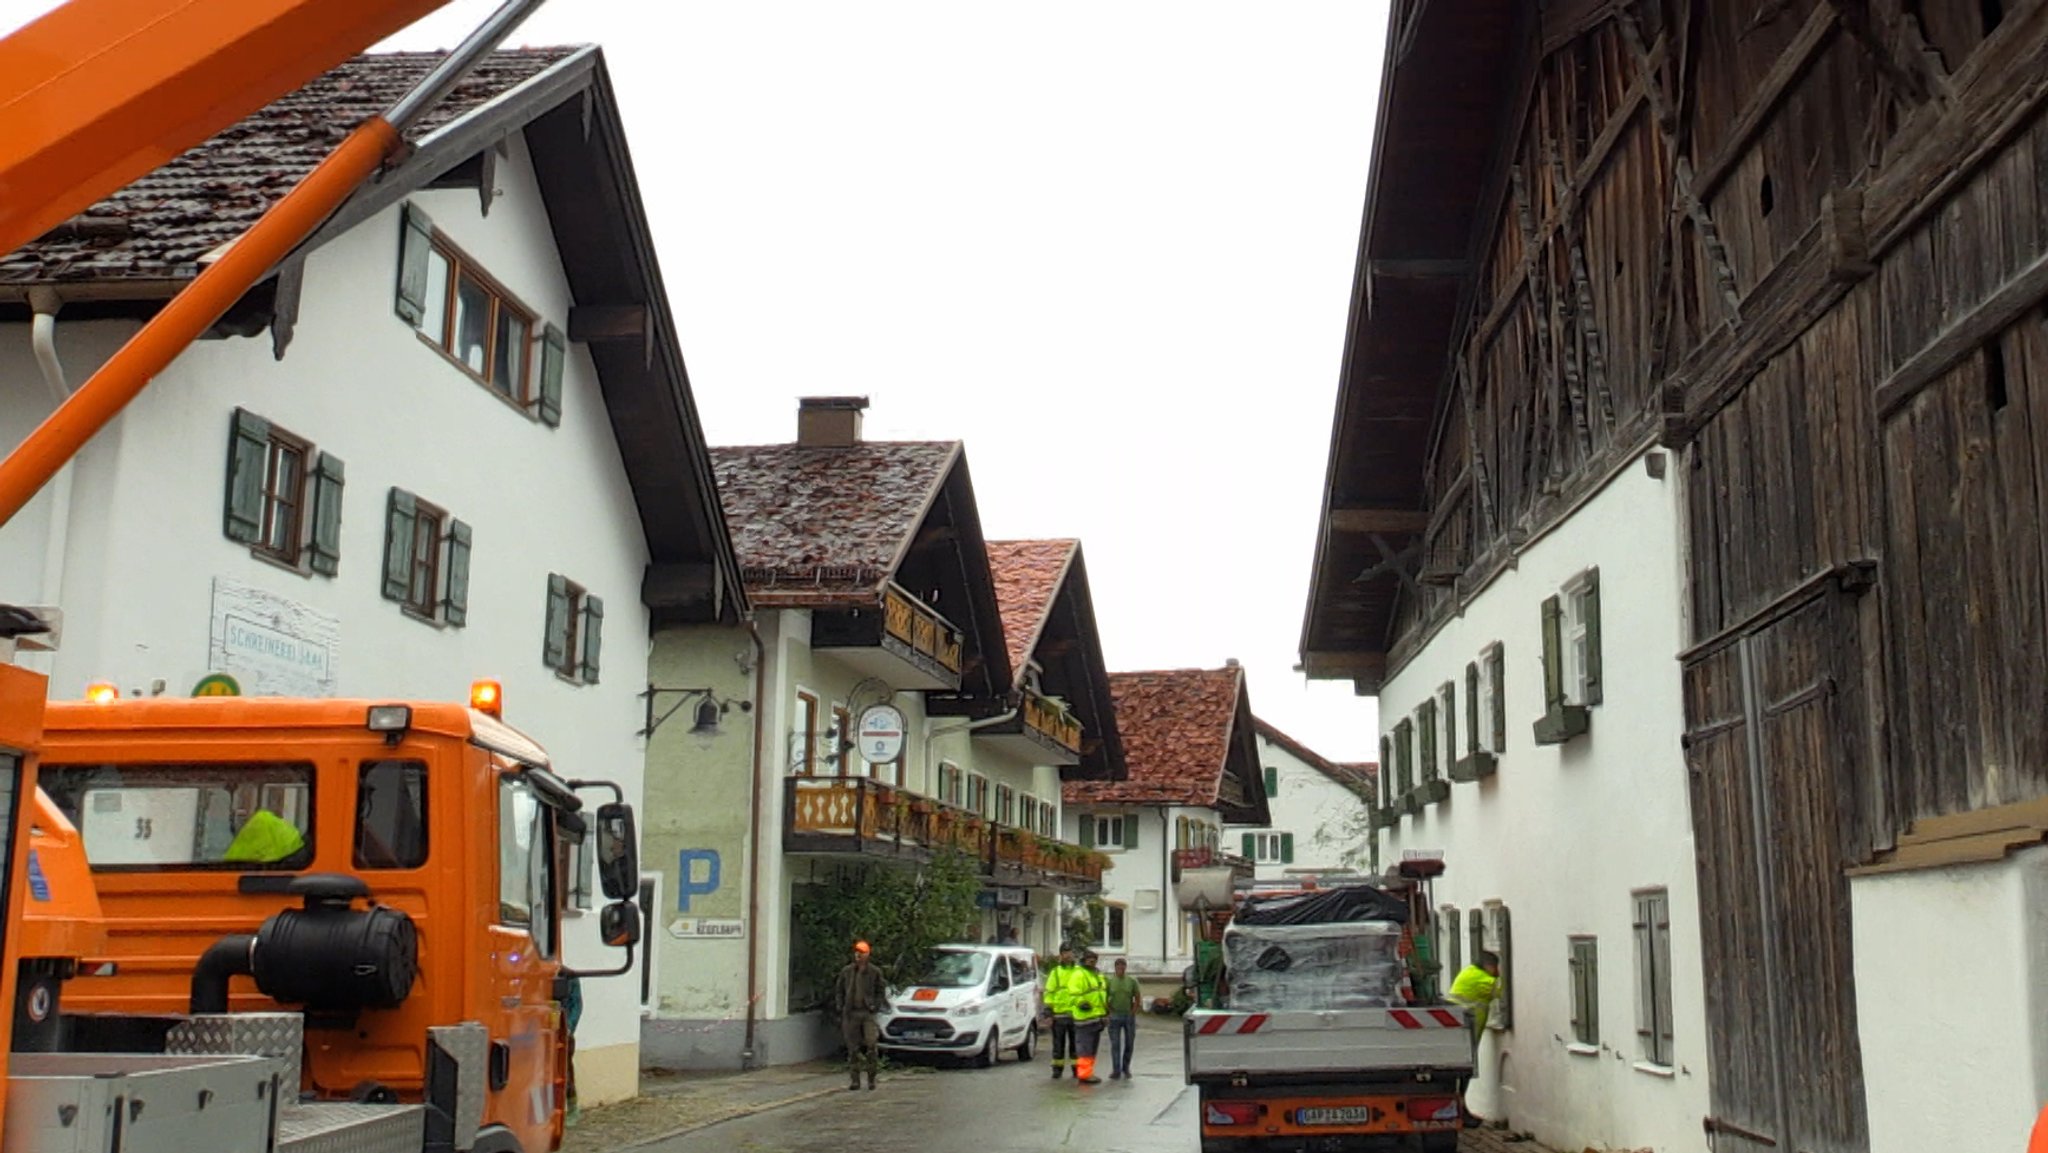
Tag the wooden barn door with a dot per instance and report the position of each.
(1775, 742)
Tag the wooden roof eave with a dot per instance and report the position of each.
(1399, 337)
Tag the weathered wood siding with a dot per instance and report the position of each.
(1806, 243)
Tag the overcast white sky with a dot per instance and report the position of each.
(1106, 243)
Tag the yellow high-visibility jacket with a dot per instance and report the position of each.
(1061, 984)
(1091, 996)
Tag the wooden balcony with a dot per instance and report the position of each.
(906, 643)
(1241, 868)
(1043, 732)
(857, 817)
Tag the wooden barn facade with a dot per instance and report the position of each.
(1796, 253)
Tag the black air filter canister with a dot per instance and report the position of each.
(330, 957)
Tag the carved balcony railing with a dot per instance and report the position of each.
(855, 816)
(905, 642)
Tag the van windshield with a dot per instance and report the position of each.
(956, 970)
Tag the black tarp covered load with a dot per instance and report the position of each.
(1340, 905)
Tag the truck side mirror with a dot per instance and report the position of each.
(618, 853)
(619, 924)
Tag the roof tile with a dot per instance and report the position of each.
(1176, 728)
(1028, 575)
(818, 524)
(158, 227)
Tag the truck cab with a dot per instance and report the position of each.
(393, 872)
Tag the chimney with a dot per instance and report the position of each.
(829, 421)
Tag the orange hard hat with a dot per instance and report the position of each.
(860, 946)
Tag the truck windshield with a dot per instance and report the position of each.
(245, 817)
(952, 970)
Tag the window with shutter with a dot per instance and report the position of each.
(1272, 781)
(554, 355)
(1249, 847)
(1497, 697)
(1653, 977)
(470, 318)
(283, 499)
(398, 517)
(1426, 727)
(559, 627)
(1087, 830)
(1447, 705)
(593, 644)
(1130, 831)
(1404, 757)
(325, 554)
(1454, 941)
(1563, 646)
(1473, 741)
(1585, 987)
(455, 601)
(803, 743)
(1287, 848)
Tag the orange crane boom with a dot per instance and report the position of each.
(98, 92)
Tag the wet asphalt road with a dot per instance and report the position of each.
(1012, 1108)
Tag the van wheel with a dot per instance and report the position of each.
(990, 1053)
(1030, 1039)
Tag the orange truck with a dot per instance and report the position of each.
(1328, 1035)
(260, 925)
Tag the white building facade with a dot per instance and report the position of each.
(393, 506)
(1322, 813)
(779, 805)
(1192, 755)
(1534, 741)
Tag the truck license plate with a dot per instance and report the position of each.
(1338, 1115)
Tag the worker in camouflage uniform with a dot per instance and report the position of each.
(860, 993)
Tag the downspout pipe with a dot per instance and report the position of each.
(43, 339)
(747, 1050)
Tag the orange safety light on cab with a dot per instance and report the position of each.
(487, 697)
(103, 692)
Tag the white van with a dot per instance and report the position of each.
(977, 1001)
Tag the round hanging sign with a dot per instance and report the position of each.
(881, 734)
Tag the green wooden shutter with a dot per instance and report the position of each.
(1476, 929)
(248, 455)
(1382, 781)
(455, 605)
(1287, 848)
(399, 516)
(1087, 830)
(1251, 844)
(1130, 830)
(1589, 604)
(555, 645)
(325, 555)
(1472, 707)
(1553, 654)
(1272, 781)
(1497, 672)
(1504, 934)
(554, 353)
(593, 640)
(416, 243)
(1450, 722)
(1425, 719)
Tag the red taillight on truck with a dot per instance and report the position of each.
(1230, 1112)
(1433, 1109)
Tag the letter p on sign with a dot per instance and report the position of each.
(696, 876)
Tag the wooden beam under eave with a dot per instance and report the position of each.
(589, 322)
(1344, 666)
(1365, 520)
(681, 586)
(1397, 269)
